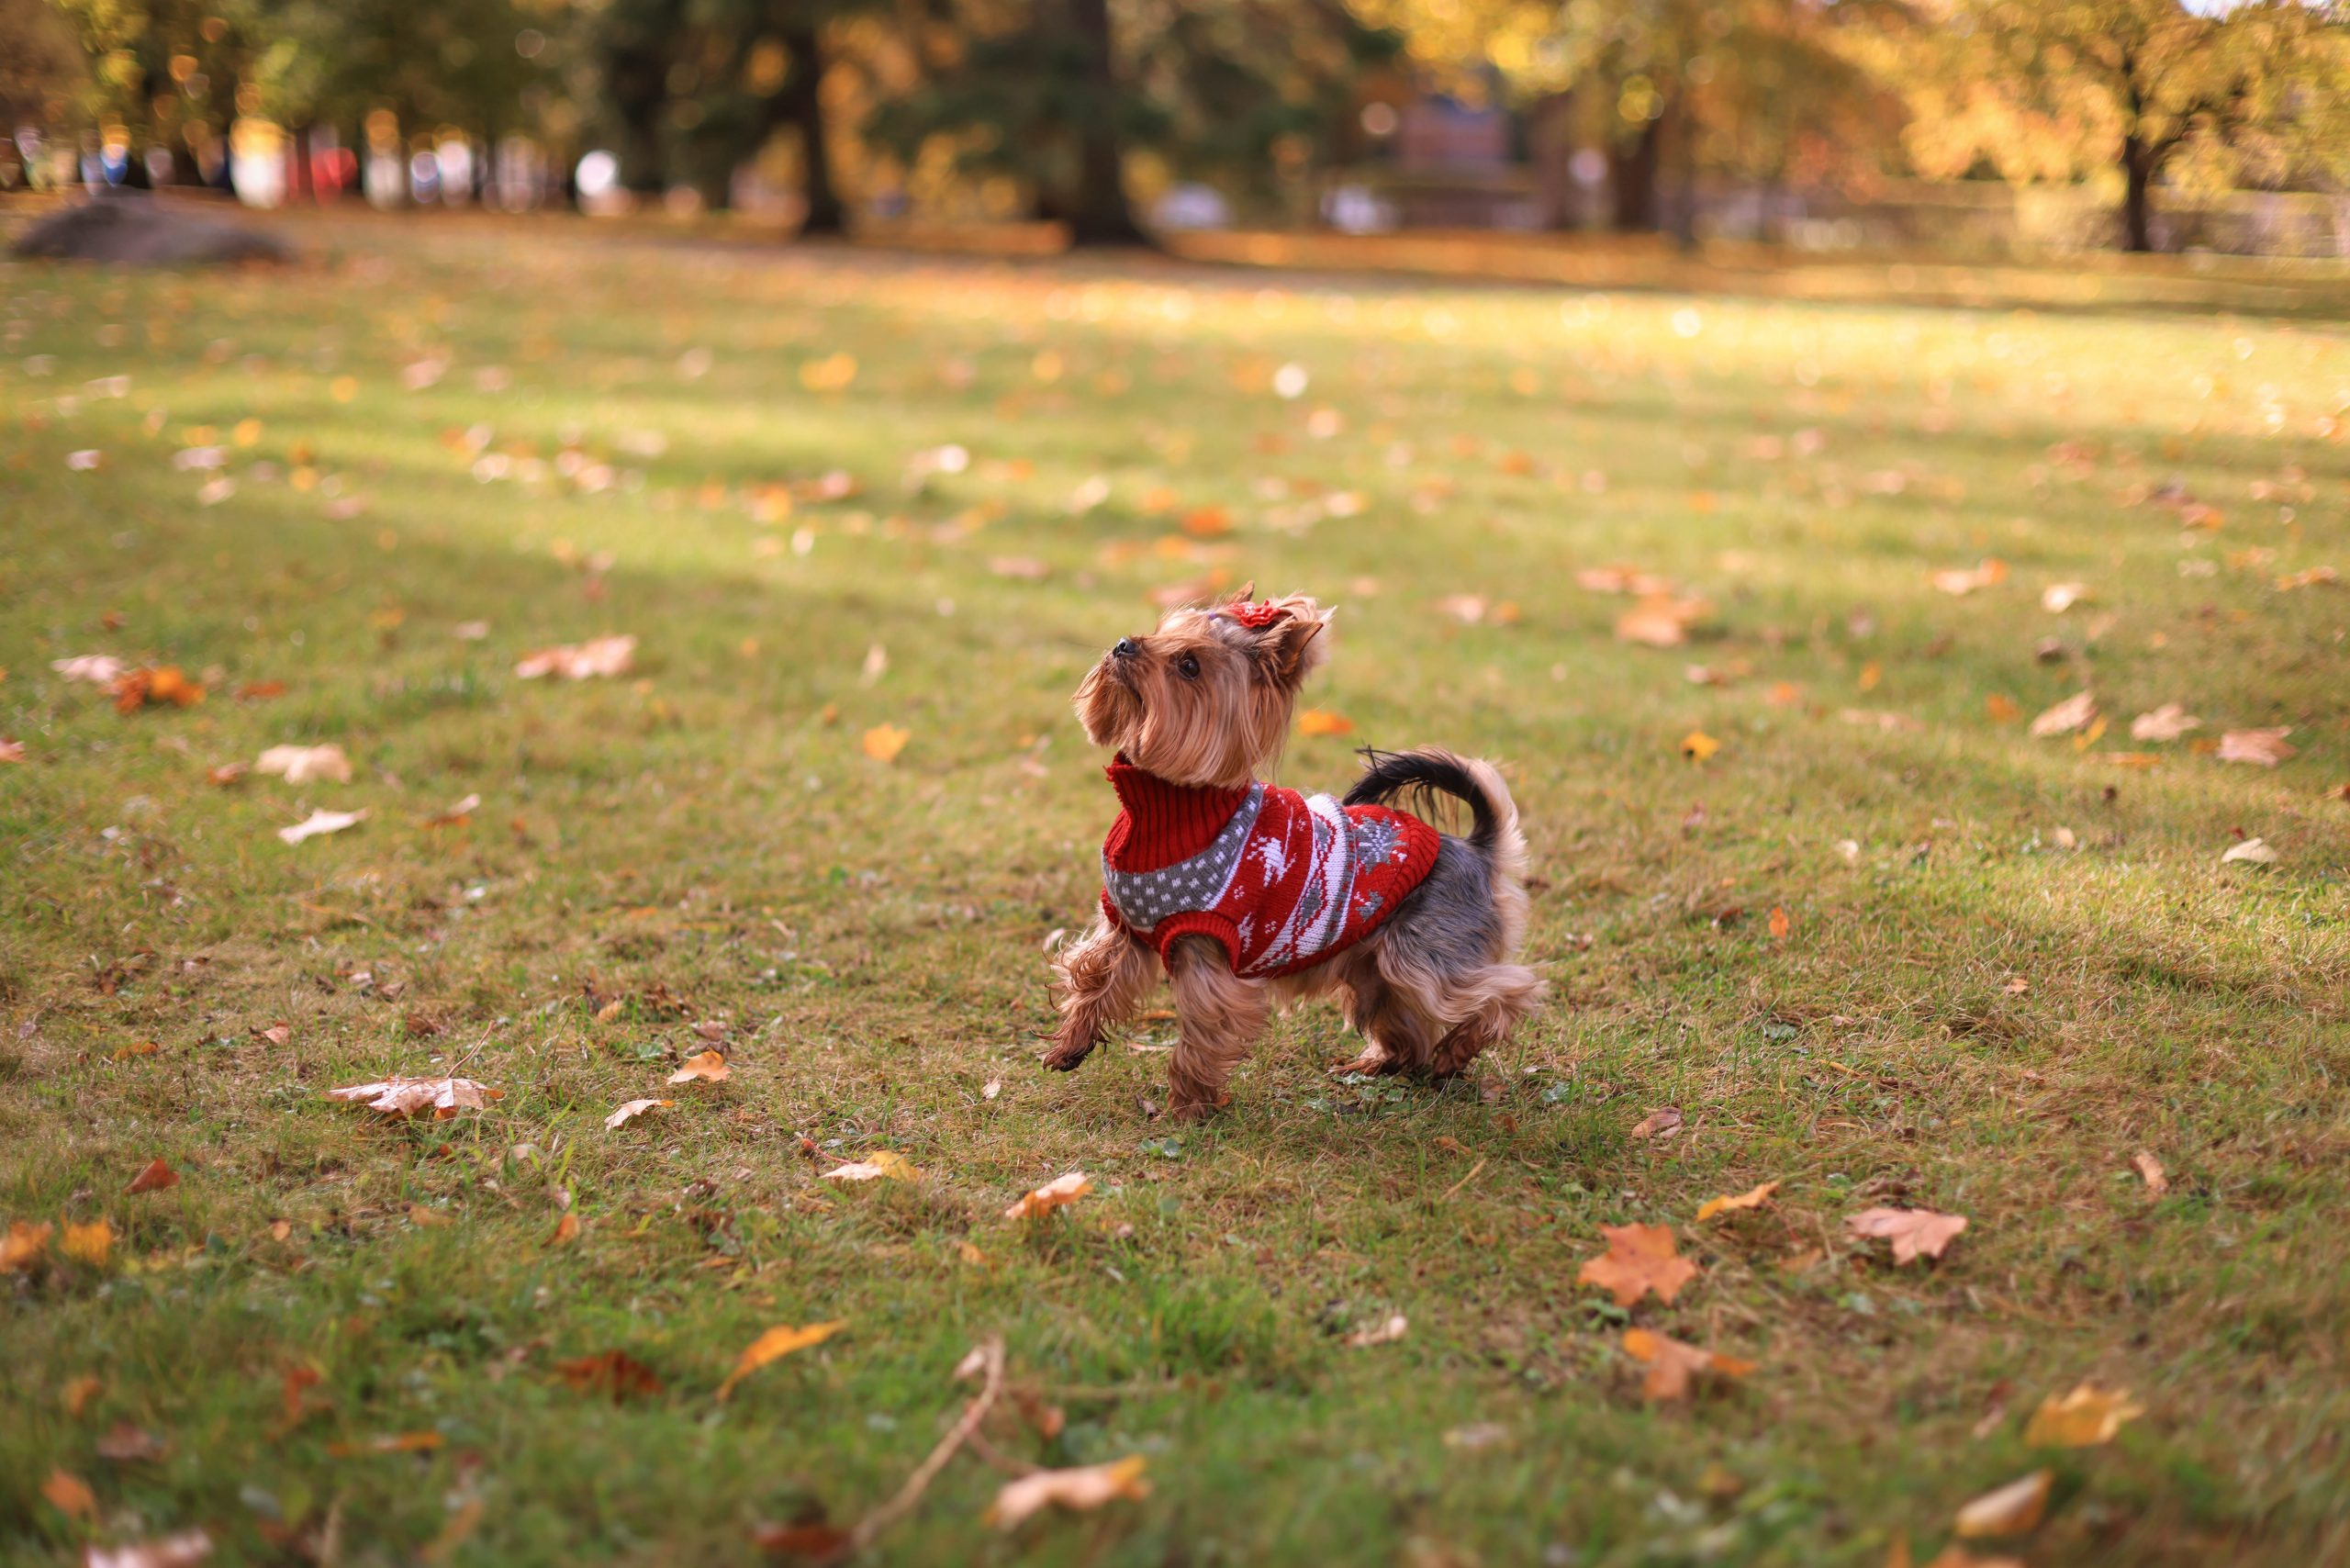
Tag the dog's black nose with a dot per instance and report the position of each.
(1126, 648)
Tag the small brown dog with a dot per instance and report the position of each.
(1252, 895)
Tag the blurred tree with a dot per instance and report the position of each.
(167, 73)
(1766, 89)
(482, 66)
(1058, 93)
(2051, 89)
(41, 65)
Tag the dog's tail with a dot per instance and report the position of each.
(1493, 831)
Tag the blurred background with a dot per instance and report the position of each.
(1968, 128)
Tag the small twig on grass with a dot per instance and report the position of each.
(1449, 1192)
(990, 1354)
(997, 1457)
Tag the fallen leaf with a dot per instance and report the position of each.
(301, 764)
(154, 1178)
(87, 1243)
(444, 1097)
(2262, 748)
(882, 743)
(184, 1549)
(2058, 598)
(1967, 579)
(580, 661)
(2002, 708)
(709, 1067)
(1697, 746)
(1080, 1490)
(613, 1373)
(98, 669)
(2152, 1169)
(2083, 1419)
(11, 751)
(2255, 851)
(127, 1443)
(164, 685)
(1322, 721)
(1053, 1194)
(421, 1215)
(393, 1442)
(456, 816)
(1914, 1233)
(1781, 924)
(775, 1344)
(1753, 1198)
(1639, 1258)
(993, 1087)
(566, 1231)
(1386, 1333)
(70, 1495)
(634, 1109)
(2167, 722)
(819, 1543)
(882, 1164)
(2073, 714)
(320, 821)
(2012, 1509)
(1672, 1363)
(1662, 1123)
(1661, 620)
(78, 1392)
(25, 1245)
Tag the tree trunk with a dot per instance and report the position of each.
(1632, 179)
(1099, 214)
(1551, 141)
(2137, 206)
(803, 108)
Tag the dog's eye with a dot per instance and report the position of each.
(1189, 666)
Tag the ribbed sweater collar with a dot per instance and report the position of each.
(1164, 823)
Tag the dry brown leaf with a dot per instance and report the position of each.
(1672, 1363)
(882, 743)
(566, 1231)
(2012, 1509)
(613, 1373)
(2073, 714)
(1661, 620)
(25, 1245)
(444, 1097)
(2252, 851)
(1663, 1123)
(2084, 1418)
(1751, 1198)
(2167, 722)
(581, 661)
(2151, 1168)
(775, 1344)
(708, 1067)
(1080, 1490)
(184, 1549)
(75, 1397)
(154, 1178)
(98, 669)
(70, 1495)
(1781, 922)
(1914, 1233)
(305, 764)
(1053, 1194)
(1639, 1258)
(321, 821)
(2262, 748)
(634, 1109)
(1322, 721)
(88, 1243)
(881, 1165)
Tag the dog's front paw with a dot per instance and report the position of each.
(1065, 1054)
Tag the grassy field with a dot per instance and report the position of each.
(1880, 944)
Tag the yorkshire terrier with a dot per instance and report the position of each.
(1253, 896)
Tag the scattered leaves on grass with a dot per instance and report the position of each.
(321, 821)
(1914, 1233)
(1053, 1194)
(882, 743)
(1322, 721)
(2151, 1168)
(2012, 1509)
(1753, 1198)
(2262, 748)
(70, 1495)
(2084, 1418)
(1386, 1333)
(303, 764)
(2252, 851)
(163, 686)
(1661, 620)
(2167, 722)
(1672, 1364)
(25, 1245)
(774, 1345)
(707, 1067)
(2073, 714)
(881, 1164)
(1080, 1490)
(88, 1243)
(1639, 1258)
(1697, 746)
(154, 1178)
(444, 1097)
(615, 1373)
(1662, 1123)
(184, 1549)
(1962, 581)
(566, 1231)
(580, 661)
(634, 1109)
(97, 669)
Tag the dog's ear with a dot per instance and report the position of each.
(1290, 645)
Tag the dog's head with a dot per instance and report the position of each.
(1206, 698)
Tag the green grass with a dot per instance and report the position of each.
(870, 934)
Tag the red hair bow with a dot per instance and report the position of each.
(1256, 617)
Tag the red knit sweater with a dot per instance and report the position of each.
(1282, 880)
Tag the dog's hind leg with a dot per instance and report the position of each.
(1394, 1036)
(1221, 1016)
(1493, 997)
(1103, 976)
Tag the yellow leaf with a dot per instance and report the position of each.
(1322, 721)
(774, 1345)
(1082, 1490)
(1748, 1200)
(24, 1245)
(87, 1243)
(881, 1164)
(1639, 1258)
(2083, 1419)
(2012, 1509)
(1697, 746)
(709, 1066)
(882, 743)
(1053, 1194)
